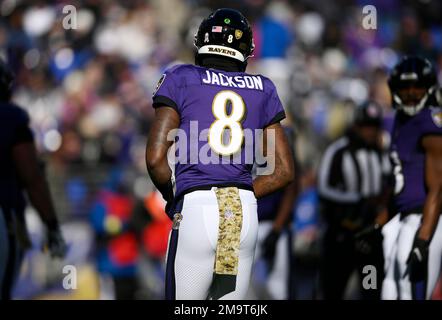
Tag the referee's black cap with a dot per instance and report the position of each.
(368, 113)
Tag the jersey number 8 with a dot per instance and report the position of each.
(223, 120)
(397, 171)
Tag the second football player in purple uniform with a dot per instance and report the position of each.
(413, 255)
(20, 174)
(215, 109)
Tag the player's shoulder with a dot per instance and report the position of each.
(430, 118)
(182, 74)
(265, 79)
(182, 69)
(12, 112)
(436, 115)
(267, 83)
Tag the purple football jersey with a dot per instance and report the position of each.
(208, 101)
(409, 158)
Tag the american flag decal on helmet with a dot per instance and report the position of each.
(217, 29)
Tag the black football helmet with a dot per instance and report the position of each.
(225, 32)
(412, 71)
(6, 81)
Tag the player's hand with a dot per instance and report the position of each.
(56, 244)
(417, 262)
(269, 248)
(368, 238)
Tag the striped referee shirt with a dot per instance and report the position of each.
(350, 172)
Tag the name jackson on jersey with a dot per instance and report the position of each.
(239, 81)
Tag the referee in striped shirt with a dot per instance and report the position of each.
(353, 184)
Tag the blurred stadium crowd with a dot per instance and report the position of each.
(88, 92)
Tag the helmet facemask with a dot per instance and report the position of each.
(412, 109)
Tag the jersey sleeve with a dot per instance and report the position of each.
(274, 111)
(167, 91)
(23, 132)
(432, 125)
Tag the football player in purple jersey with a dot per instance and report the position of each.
(414, 252)
(210, 194)
(20, 173)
